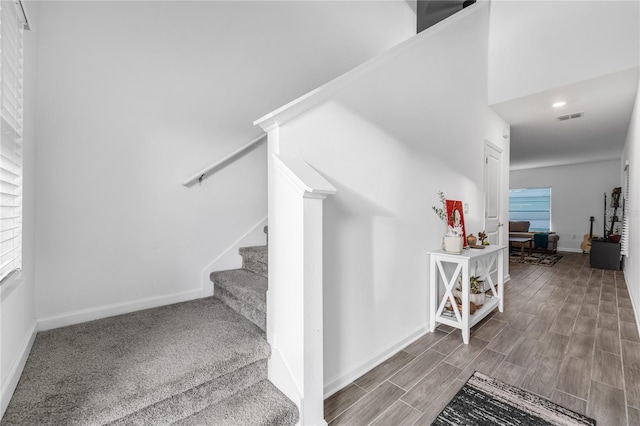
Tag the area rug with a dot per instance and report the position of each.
(487, 401)
(542, 259)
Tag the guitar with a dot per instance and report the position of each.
(586, 244)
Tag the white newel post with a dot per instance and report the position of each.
(312, 410)
(294, 299)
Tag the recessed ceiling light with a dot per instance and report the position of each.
(559, 104)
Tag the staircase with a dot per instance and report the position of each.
(202, 362)
(245, 290)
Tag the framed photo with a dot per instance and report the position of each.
(455, 217)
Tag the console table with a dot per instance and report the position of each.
(447, 268)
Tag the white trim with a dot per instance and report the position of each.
(15, 371)
(230, 258)
(280, 374)
(635, 308)
(303, 177)
(334, 384)
(11, 283)
(104, 311)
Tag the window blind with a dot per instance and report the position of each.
(11, 63)
(624, 240)
(533, 205)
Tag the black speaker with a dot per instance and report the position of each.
(605, 254)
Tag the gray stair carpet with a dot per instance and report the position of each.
(155, 366)
(255, 259)
(260, 404)
(244, 291)
(202, 362)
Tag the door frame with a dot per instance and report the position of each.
(490, 145)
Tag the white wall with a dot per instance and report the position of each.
(577, 192)
(17, 315)
(555, 40)
(632, 157)
(133, 97)
(389, 142)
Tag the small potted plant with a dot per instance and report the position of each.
(476, 290)
(483, 238)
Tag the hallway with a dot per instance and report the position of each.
(568, 333)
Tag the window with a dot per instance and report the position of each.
(12, 23)
(533, 205)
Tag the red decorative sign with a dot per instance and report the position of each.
(456, 218)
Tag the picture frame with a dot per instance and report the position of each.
(455, 216)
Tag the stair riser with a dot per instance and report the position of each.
(254, 314)
(256, 267)
(252, 253)
(260, 405)
(196, 399)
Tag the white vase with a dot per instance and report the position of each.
(452, 245)
(475, 298)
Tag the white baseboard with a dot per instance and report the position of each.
(98, 312)
(230, 258)
(633, 304)
(336, 383)
(15, 371)
(281, 376)
(570, 250)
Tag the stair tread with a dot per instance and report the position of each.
(260, 404)
(243, 284)
(99, 371)
(194, 400)
(259, 253)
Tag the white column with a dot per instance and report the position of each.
(294, 300)
(312, 410)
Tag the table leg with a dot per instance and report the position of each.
(522, 251)
(432, 293)
(465, 303)
(530, 246)
(500, 288)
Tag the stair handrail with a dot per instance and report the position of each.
(209, 170)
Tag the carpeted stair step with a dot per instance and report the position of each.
(194, 400)
(244, 291)
(260, 404)
(162, 363)
(255, 259)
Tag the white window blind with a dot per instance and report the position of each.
(532, 205)
(624, 240)
(11, 53)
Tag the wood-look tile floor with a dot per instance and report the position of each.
(568, 333)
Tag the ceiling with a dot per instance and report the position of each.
(539, 139)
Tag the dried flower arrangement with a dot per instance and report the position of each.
(441, 212)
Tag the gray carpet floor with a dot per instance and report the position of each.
(103, 371)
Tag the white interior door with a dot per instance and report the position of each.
(493, 222)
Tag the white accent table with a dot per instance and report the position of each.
(470, 262)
